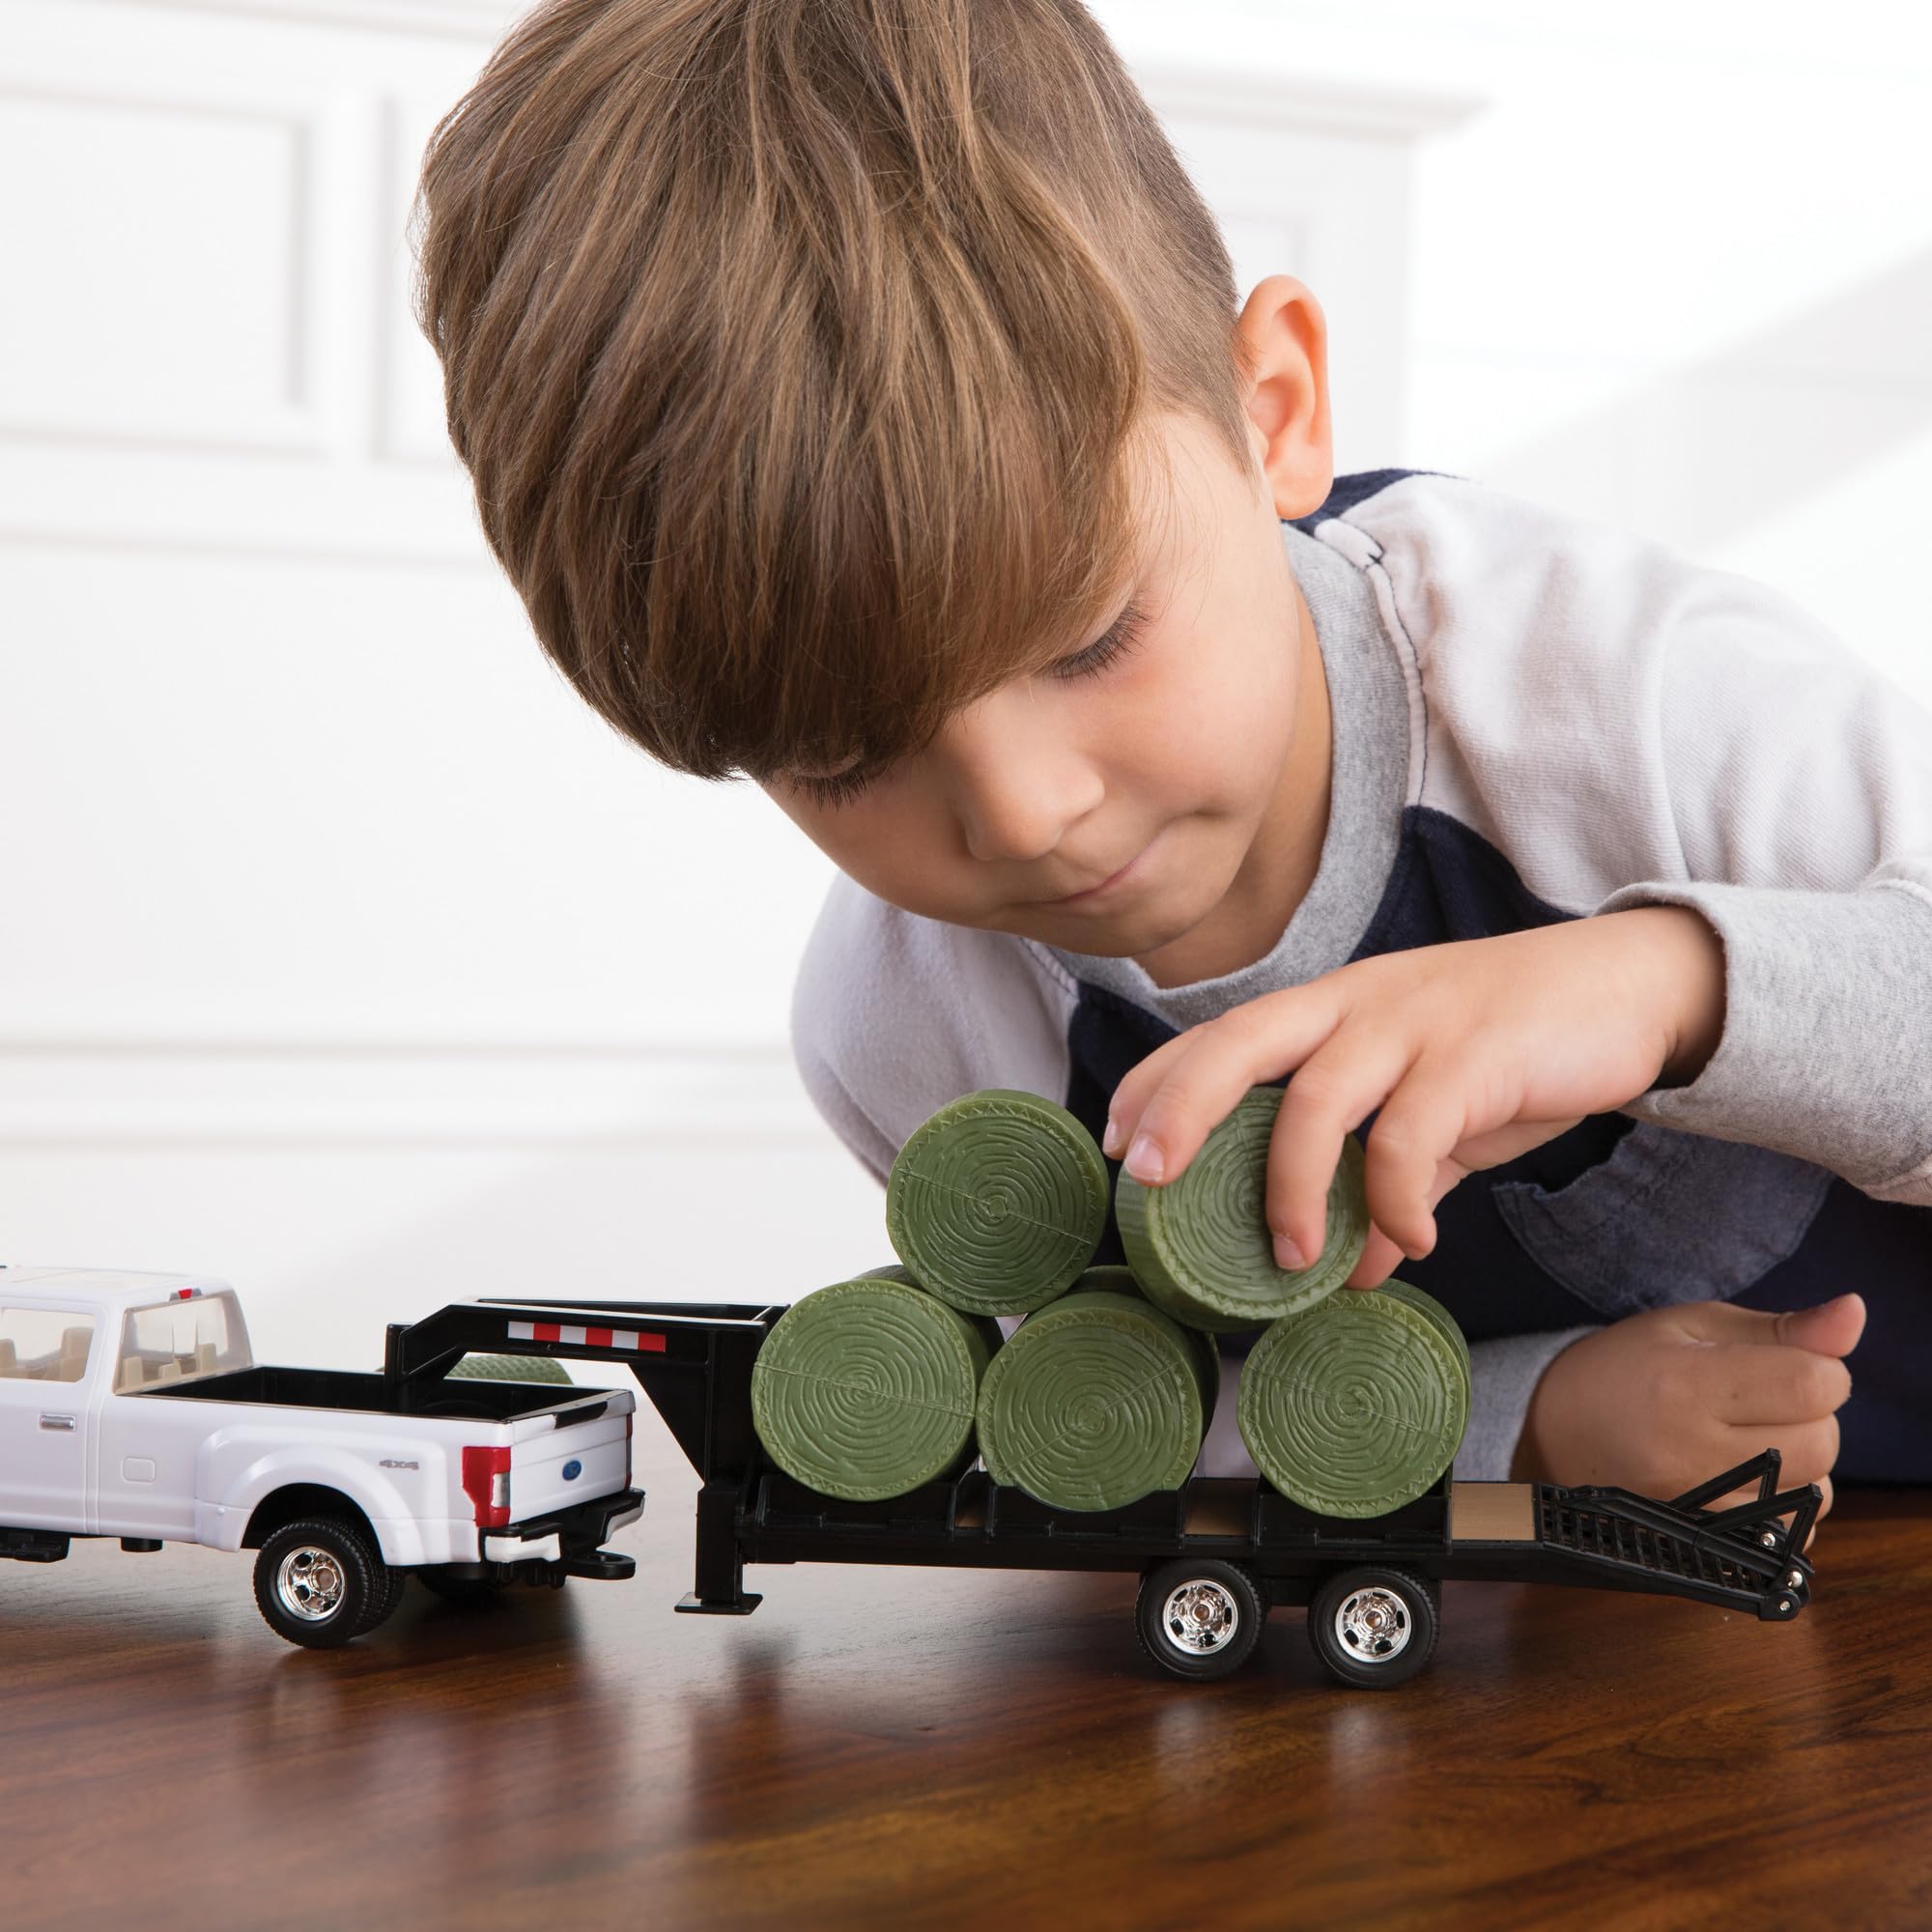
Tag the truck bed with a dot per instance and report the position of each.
(348, 1391)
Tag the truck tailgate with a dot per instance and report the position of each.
(569, 1455)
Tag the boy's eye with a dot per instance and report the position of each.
(832, 791)
(1118, 638)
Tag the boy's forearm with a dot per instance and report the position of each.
(1504, 1372)
(1694, 954)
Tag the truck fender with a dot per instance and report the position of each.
(226, 1498)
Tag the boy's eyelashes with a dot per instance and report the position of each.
(836, 790)
(1118, 638)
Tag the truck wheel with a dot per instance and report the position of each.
(1374, 1628)
(386, 1602)
(318, 1581)
(1199, 1618)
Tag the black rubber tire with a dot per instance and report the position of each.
(1238, 1594)
(387, 1602)
(439, 1581)
(363, 1587)
(1411, 1601)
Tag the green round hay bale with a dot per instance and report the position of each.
(510, 1368)
(1421, 1298)
(997, 1200)
(867, 1389)
(1110, 1278)
(1094, 1402)
(1354, 1407)
(989, 1330)
(1200, 1247)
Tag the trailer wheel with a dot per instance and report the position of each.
(319, 1583)
(1374, 1628)
(1200, 1617)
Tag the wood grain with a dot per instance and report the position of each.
(937, 1749)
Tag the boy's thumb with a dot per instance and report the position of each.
(1829, 1327)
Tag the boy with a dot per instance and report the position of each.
(856, 395)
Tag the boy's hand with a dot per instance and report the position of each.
(1662, 1401)
(1474, 1052)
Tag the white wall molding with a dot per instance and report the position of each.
(289, 1096)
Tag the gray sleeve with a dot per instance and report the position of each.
(1827, 1046)
(862, 1135)
(1503, 1375)
(846, 1119)
(1796, 781)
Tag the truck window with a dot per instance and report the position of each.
(177, 1341)
(45, 1345)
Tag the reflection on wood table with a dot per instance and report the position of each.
(942, 1747)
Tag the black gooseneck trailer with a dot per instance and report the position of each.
(1214, 1555)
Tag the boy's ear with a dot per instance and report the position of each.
(1288, 407)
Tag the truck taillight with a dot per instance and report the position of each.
(486, 1482)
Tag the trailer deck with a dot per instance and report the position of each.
(1214, 1555)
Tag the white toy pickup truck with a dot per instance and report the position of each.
(130, 1406)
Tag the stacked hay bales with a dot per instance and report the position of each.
(869, 1388)
(1096, 1400)
(1349, 1404)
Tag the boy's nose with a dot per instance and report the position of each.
(1015, 820)
(1016, 792)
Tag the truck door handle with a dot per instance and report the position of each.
(50, 1421)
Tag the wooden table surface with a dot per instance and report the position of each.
(948, 1747)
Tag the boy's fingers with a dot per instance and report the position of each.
(1137, 1087)
(1407, 1150)
(1762, 1382)
(1830, 1328)
(1333, 1089)
(1807, 1451)
(1244, 1047)
(1381, 1258)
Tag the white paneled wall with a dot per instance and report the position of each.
(1677, 273)
(344, 953)
(347, 954)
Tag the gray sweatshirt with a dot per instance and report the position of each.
(1537, 717)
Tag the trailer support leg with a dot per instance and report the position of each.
(721, 1571)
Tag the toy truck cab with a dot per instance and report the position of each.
(71, 1338)
(131, 1407)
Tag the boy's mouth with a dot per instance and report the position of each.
(1107, 883)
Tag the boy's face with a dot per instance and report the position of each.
(1179, 791)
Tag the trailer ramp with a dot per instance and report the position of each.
(1749, 1557)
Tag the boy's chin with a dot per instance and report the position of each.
(1118, 938)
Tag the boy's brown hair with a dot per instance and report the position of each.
(801, 354)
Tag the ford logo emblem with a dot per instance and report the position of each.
(572, 1470)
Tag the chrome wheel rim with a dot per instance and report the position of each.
(1372, 1624)
(309, 1583)
(1200, 1617)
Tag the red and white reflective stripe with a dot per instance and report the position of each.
(586, 1338)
